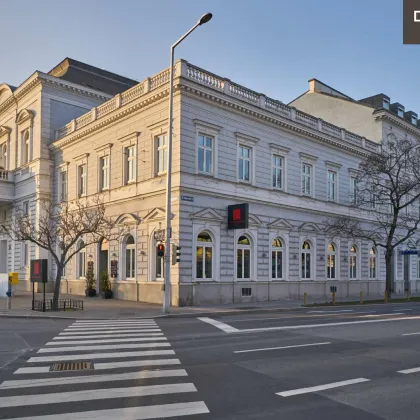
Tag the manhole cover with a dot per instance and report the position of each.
(71, 366)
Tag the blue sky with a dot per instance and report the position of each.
(271, 46)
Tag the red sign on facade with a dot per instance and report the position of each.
(238, 216)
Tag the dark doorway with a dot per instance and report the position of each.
(103, 256)
(407, 272)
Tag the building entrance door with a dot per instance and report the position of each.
(406, 272)
(103, 257)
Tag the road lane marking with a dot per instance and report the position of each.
(122, 328)
(99, 356)
(282, 348)
(145, 374)
(102, 347)
(117, 331)
(378, 315)
(131, 413)
(221, 325)
(73, 336)
(113, 324)
(321, 387)
(408, 371)
(402, 310)
(109, 340)
(329, 324)
(105, 366)
(330, 312)
(414, 333)
(96, 394)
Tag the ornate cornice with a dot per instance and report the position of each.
(398, 121)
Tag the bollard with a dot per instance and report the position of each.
(361, 296)
(386, 296)
(333, 298)
(305, 298)
(408, 294)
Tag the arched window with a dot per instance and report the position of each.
(243, 258)
(26, 139)
(353, 262)
(204, 256)
(372, 263)
(3, 156)
(306, 260)
(130, 257)
(331, 261)
(277, 259)
(81, 260)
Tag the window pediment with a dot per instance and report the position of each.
(309, 227)
(158, 213)
(207, 214)
(25, 115)
(280, 224)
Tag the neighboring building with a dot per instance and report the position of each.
(231, 145)
(30, 114)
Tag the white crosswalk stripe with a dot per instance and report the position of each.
(146, 372)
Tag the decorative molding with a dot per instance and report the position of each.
(63, 165)
(245, 138)
(158, 126)
(308, 156)
(104, 147)
(129, 137)
(24, 115)
(207, 215)
(353, 172)
(206, 125)
(309, 227)
(4, 130)
(254, 220)
(280, 224)
(278, 149)
(158, 213)
(328, 163)
(80, 157)
(123, 218)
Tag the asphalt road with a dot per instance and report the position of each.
(330, 363)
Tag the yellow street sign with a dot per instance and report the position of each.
(13, 278)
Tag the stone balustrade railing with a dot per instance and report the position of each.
(190, 72)
(4, 175)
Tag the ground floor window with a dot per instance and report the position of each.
(331, 261)
(204, 256)
(81, 260)
(243, 258)
(306, 256)
(353, 263)
(130, 257)
(372, 263)
(160, 266)
(277, 259)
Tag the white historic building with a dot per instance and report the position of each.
(231, 145)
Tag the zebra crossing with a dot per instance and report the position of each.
(135, 375)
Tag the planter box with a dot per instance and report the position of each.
(90, 292)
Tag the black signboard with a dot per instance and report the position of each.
(238, 216)
(114, 269)
(90, 267)
(39, 271)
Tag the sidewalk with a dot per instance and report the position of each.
(98, 308)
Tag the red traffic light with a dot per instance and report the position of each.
(161, 250)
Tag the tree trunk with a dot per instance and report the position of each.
(57, 288)
(388, 265)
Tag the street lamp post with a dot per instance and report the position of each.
(167, 285)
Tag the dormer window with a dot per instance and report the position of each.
(413, 120)
(385, 103)
(400, 112)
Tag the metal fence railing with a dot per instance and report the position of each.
(63, 305)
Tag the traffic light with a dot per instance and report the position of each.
(176, 254)
(161, 250)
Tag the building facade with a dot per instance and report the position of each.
(231, 145)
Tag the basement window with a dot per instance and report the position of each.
(246, 292)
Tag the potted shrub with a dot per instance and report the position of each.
(90, 284)
(106, 291)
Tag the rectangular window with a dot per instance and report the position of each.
(26, 208)
(130, 262)
(414, 120)
(385, 103)
(204, 262)
(330, 266)
(25, 256)
(205, 154)
(353, 190)
(353, 267)
(306, 179)
(244, 164)
(332, 185)
(246, 292)
(278, 164)
(81, 180)
(104, 175)
(400, 112)
(162, 154)
(63, 185)
(130, 164)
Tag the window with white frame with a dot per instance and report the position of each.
(307, 179)
(331, 261)
(25, 147)
(25, 208)
(81, 179)
(161, 154)
(130, 164)
(104, 172)
(418, 267)
(353, 189)
(25, 254)
(3, 156)
(244, 163)
(306, 257)
(205, 154)
(63, 185)
(332, 185)
(81, 260)
(204, 256)
(372, 263)
(243, 258)
(278, 168)
(130, 257)
(385, 103)
(353, 263)
(277, 259)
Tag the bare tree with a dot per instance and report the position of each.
(385, 202)
(58, 229)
